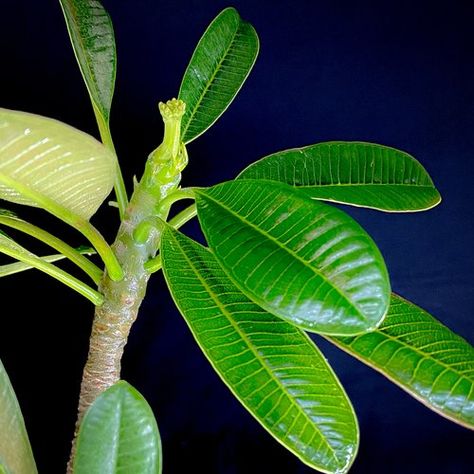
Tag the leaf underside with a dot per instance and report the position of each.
(423, 357)
(297, 258)
(15, 450)
(118, 434)
(92, 37)
(219, 66)
(272, 367)
(54, 160)
(357, 173)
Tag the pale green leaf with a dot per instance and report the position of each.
(272, 367)
(92, 37)
(219, 66)
(118, 434)
(423, 357)
(46, 163)
(15, 450)
(295, 257)
(356, 173)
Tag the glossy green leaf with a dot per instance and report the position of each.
(12, 249)
(219, 66)
(46, 163)
(272, 367)
(92, 37)
(423, 357)
(118, 434)
(357, 173)
(15, 450)
(295, 257)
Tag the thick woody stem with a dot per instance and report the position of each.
(137, 242)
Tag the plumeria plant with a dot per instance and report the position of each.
(280, 262)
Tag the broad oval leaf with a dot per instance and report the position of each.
(219, 66)
(118, 434)
(423, 357)
(92, 37)
(272, 367)
(15, 450)
(42, 157)
(356, 173)
(297, 258)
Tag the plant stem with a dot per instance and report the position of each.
(184, 216)
(69, 252)
(114, 318)
(119, 185)
(16, 251)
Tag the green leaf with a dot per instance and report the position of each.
(12, 249)
(357, 173)
(118, 434)
(3, 469)
(219, 66)
(15, 450)
(297, 258)
(272, 367)
(423, 357)
(92, 37)
(48, 164)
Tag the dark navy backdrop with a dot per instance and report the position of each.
(398, 73)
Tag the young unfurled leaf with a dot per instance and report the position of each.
(219, 66)
(357, 173)
(272, 367)
(46, 163)
(295, 257)
(15, 450)
(118, 434)
(423, 357)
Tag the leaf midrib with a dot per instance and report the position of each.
(292, 253)
(243, 336)
(420, 352)
(362, 184)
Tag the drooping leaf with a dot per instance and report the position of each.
(15, 450)
(272, 367)
(423, 357)
(357, 173)
(219, 66)
(295, 257)
(118, 434)
(46, 163)
(13, 249)
(92, 37)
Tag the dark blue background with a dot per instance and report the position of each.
(398, 73)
